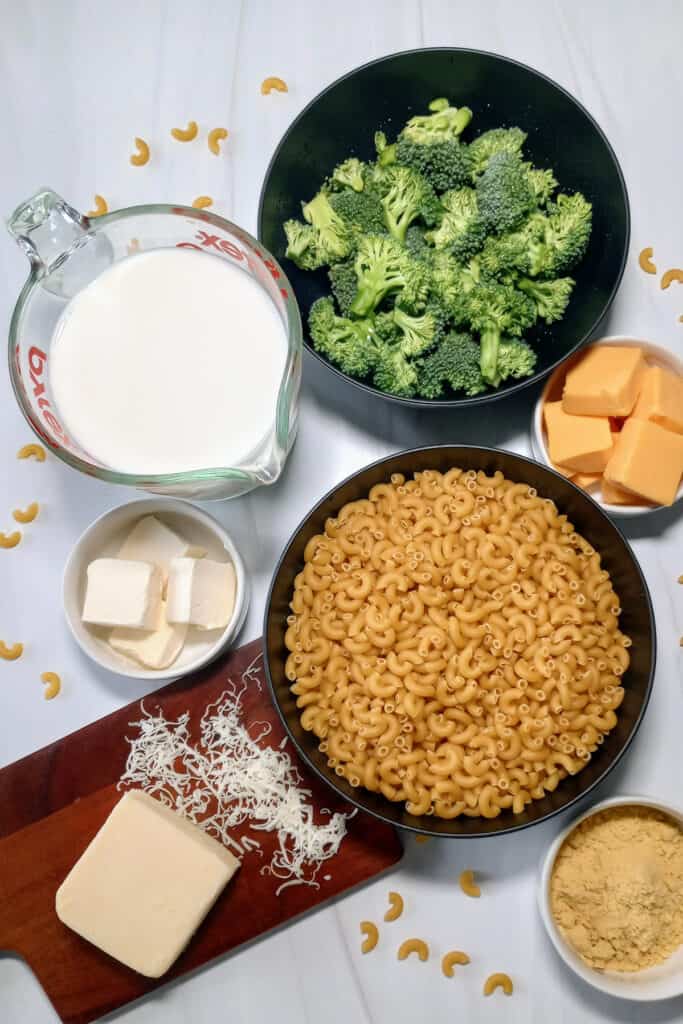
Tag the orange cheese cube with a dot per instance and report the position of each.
(648, 460)
(614, 495)
(579, 443)
(605, 382)
(586, 480)
(661, 399)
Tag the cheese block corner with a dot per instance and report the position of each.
(647, 460)
(605, 381)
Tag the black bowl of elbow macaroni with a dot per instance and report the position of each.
(459, 641)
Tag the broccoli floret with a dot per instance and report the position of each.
(386, 153)
(453, 284)
(344, 284)
(543, 183)
(302, 245)
(496, 309)
(416, 243)
(551, 297)
(418, 332)
(516, 251)
(455, 363)
(333, 238)
(566, 235)
(406, 195)
(445, 122)
(383, 266)
(504, 194)
(444, 164)
(393, 373)
(349, 174)
(515, 359)
(461, 229)
(498, 140)
(362, 212)
(348, 343)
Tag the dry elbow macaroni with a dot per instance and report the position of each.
(371, 933)
(396, 907)
(53, 684)
(451, 959)
(10, 652)
(468, 885)
(273, 83)
(201, 202)
(417, 946)
(140, 158)
(214, 139)
(495, 981)
(101, 206)
(35, 451)
(26, 515)
(186, 134)
(454, 644)
(10, 540)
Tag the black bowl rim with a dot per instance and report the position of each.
(451, 403)
(357, 803)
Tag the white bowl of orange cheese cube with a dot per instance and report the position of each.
(610, 419)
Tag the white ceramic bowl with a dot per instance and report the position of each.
(665, 980)
(655, 355)
(104, 538)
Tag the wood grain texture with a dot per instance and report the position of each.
(53, 802)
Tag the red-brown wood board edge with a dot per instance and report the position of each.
(54, 801)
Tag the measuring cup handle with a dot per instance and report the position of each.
(47, 229)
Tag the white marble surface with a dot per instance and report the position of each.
(78, 80)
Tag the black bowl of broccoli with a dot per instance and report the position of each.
(454, 225)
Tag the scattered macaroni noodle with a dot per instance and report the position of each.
(35, 451)
(371, 933)
(671, 275)
(214, 139)
(422, 839)
(278, 84)
(27, 515)
(454, 644)
(140, 158)
(53, 684)
(395, 907)
(186, 134)
(495, 981)
(10, 540)
(100, 206)
(201, 202)
(468, 885)
(645, 260)
(680, 579)
(451, 959)
(11, 653)
(418, 946)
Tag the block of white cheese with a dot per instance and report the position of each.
(144, 885)
(201, 593)
(153, 541)
(122, 592)
(155, 648)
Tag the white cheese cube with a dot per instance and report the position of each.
(121, 592)
(144, 885)
(157, 648)
(153, 541)
(201, 593)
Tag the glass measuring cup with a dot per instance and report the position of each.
(68, 250)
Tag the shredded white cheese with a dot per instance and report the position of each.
(226, 778)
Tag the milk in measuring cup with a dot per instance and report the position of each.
(169, 361)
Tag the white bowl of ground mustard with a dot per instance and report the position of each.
(650, 984)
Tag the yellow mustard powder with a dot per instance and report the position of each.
(616, 890)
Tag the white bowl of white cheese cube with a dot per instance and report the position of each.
(155, 589)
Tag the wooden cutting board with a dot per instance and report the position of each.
(54, 801)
